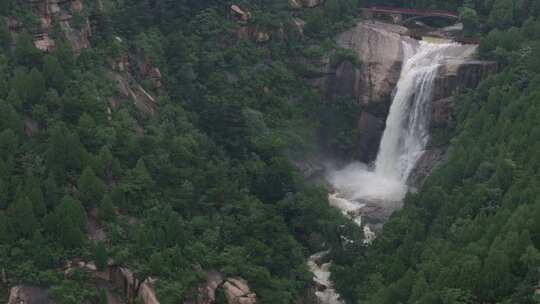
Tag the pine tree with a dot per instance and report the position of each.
(65, 150)
(140, 176)
(68, 223)
(91, 188)
(35, 195)
(51, 191)
(100, 256)
(139, 181)
(87, 131)
(502, 14)
(105, 164)
(14, 99)
(496, 275)
(8, 143)
(4, 229)
(470, 20)
(156, 263)
(26, 52)
(35, 86)
(103, 297)
(4, 84)
(54, 73)
(10, 119)
(22, 218)
(71, 235)
(106, 209)
(5, 37)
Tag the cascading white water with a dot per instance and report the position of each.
(403, 143)
(406, 133)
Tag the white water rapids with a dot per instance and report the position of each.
(384, 184)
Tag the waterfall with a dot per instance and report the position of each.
(406, 134)
(383, 186)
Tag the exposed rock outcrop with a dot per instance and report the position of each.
(297, 4)
(129, 89)
(29, 295)
(239, 14)
(237, 291)
(68, 14)
(379, 48)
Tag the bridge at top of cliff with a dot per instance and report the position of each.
(403, 15)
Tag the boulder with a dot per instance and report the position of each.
(206, 293)
(299, 24)
(312, 3)
(147, 292)
(261, 37)
(295, 4)
(298, 4)
(240, 15)
(237, 291)
(44, 43)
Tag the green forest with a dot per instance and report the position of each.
(201, 175)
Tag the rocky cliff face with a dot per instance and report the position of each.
(380, 50)
(68, 15)
(452, 79)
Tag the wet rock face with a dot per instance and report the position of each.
(372, 128)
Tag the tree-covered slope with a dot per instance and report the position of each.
(170, 179)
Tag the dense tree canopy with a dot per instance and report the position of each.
(202, 177)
